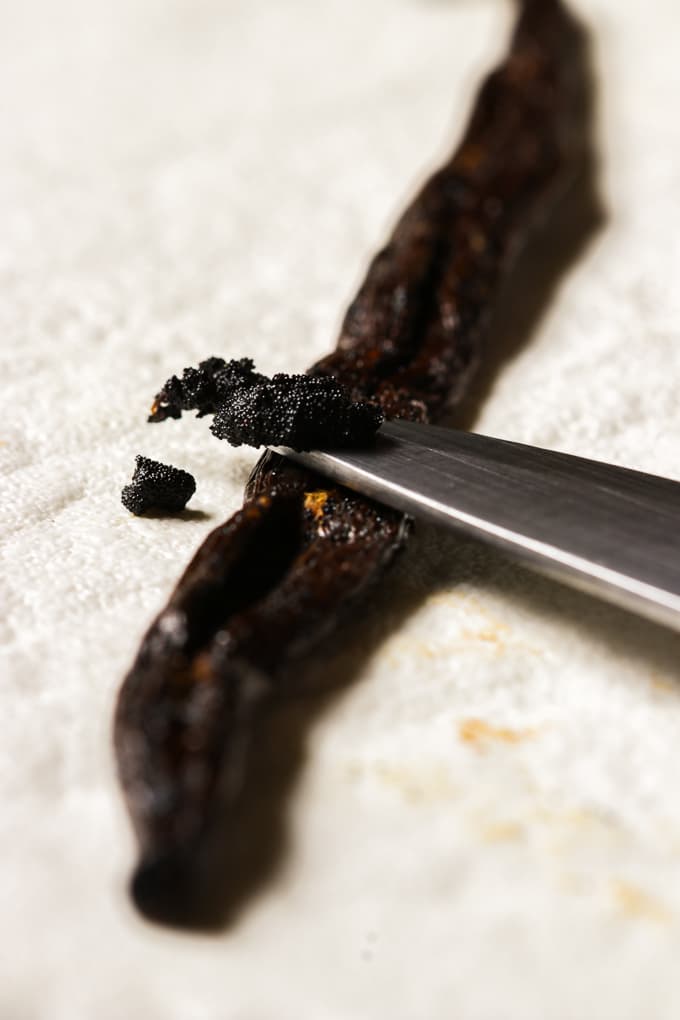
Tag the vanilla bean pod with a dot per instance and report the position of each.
(270, 583)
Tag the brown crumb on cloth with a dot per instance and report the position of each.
(480, 733)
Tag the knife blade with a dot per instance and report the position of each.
(608, 530)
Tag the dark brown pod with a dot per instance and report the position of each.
(271, 583)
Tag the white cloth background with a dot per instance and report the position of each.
(487, 821)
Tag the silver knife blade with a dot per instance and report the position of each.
(608, 530)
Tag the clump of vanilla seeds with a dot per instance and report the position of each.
(157, 486)
(299, 411)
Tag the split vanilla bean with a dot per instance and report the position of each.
(270, 584)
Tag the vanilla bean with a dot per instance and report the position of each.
(268, 585)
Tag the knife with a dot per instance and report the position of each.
(608, 530)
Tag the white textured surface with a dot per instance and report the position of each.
(181, 178)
